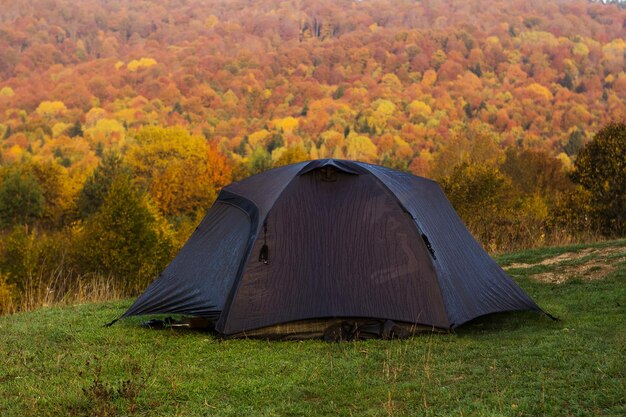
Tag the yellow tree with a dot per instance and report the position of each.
(383, 111)
(137, 64)
(361, 148)
(107, 132)
(173, 166)
(475, 143)
(50, 109)
(7, 92)
(419, 111)
(292, 155)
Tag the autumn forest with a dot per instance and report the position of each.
(121, 120)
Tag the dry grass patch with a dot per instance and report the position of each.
(586, 264)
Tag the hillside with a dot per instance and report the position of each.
(61, 361)
(402, 76)
(120, 121)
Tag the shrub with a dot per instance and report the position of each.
(7, 295)
(36, 266)
(600, 168)
(481, 196)
(21, 198)
(20, 256)
(125, 238)
(97, 185)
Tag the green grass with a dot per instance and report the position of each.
(61, 361)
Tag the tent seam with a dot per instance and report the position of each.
(419, 231)
(233, 293)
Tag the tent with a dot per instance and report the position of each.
(306, 248)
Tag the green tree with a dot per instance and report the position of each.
(75, 130)
(125, 237)
(53, 179)
(259, 160)
(31, 259)
(21, 198)
(8, 132)
(601, 169)
(574, 143)
(339, 92)
(98, 184)
(480, 194)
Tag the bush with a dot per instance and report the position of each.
(481, 196)
(20, 256)
(21, 198)
(125, 238)
(7, 295)
(97, 185)
(600, 168)
(32, 263)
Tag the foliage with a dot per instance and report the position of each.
(575, 143)
(481, 195)
(6, 91)
(259, 161)
(124, 238)
(360, 148)
(292, 155)
(107, 131)
(601, 169)
(30, 258)
(7, 295)
(535, 172)
(415, 76)
(137, 64)
(97, 185)
(572, 212)
(420, 112)
(20, 256)
(476, 143)
(286, 125)
(75, 130)
(58, 192)
(173, 167)
(219, 168)
(21, 198)
(51, 108)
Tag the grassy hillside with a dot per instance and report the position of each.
(61, 361)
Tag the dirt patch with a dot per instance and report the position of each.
(602, 264)
(587, 271)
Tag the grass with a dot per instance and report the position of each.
(61, 361)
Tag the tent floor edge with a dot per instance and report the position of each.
(337, 329)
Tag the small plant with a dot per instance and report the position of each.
(105, 398)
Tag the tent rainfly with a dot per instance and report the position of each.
(310, 248)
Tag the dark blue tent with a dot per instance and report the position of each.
(329, 240)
